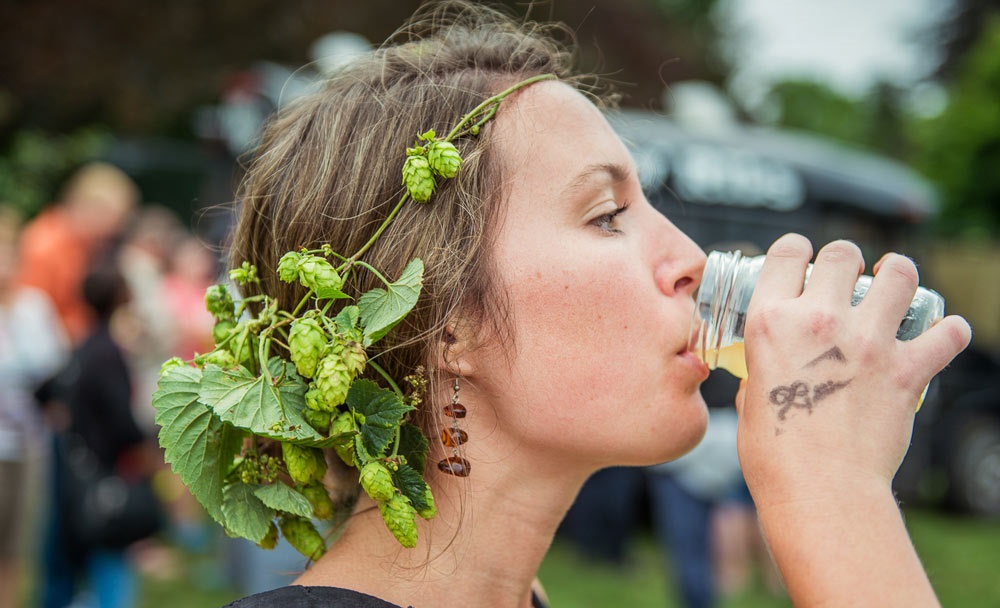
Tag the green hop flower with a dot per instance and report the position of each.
(222, 330)
(430, 510)
(306, 341)
(343, 425)
(401, 519)
(333, 380)
(418, 179)
(320, 500)
(301, 534)
(314, 399)
(288, 267)
(318, 274)
(220, 303)
(377, 481)
(317, 419)
(444, 158)
(270, 540)
(352, 354)
(304, 465)
(170, 364)
(246, 273)
(221, 357)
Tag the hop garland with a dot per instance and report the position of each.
(216, 410)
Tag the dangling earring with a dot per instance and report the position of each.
(452, 437)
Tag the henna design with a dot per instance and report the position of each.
(822, 391)
(795, 395)
(834, 354)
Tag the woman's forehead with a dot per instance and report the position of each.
(552, 128)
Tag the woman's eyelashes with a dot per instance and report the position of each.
(609, 221)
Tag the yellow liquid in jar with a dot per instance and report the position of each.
(732, 358)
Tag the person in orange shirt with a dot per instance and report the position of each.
(57, 246)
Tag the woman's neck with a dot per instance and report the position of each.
(484, 547)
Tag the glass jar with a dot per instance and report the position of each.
(724, 296)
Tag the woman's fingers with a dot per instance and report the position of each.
(939, 344)
(837, 268)
(891, 292)
(784, 269)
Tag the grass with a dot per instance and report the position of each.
(961, 556)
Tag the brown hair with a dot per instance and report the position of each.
(328, 170)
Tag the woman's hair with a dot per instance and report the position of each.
(328, 170)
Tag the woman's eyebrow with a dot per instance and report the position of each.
(613, 172)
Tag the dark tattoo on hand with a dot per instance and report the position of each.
(822, 391)
(834, 354)
(795, 395)
(798, 395)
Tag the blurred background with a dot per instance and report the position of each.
(874, 121)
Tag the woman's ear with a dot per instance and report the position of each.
(454, 350)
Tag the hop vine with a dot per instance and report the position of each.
(249, 431)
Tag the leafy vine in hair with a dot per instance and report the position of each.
(216, 411)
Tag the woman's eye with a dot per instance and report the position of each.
(609, 221)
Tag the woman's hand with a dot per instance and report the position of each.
(826, 416)
(831, 392)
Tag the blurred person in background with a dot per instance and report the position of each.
(97, 392)
(147, 331)
(192, 269)
(32, 347)
(57, 246)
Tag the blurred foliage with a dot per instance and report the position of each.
(960, 148)
(35, 162)
(142, 67)
(957, 31)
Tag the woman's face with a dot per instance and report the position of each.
(600, 291)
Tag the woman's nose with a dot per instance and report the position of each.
(681, 263)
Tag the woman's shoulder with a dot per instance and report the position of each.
(298, 596)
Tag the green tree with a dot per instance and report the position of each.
(960, 149)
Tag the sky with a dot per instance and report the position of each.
(848, 43)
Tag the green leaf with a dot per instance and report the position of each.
(412, 485)
(383, 412)
(413, 445)
(382, 309)
(250, 402)
(347, 319)
(246, 515)
(280, 497)
(197, 444)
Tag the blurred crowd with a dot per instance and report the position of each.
(95, 292)
(100, 288)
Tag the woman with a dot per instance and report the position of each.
(556, 306)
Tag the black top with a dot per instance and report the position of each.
(297, 596)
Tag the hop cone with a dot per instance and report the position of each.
(317, 274)
(400, 518)
(301, 534)
(222, 330)
(288, 267)
(377, 481)
(317, 419)
(444, 158)
(219, 303)
(352, 354)
(430, 510)
(305, 465)
(418, 179)
(344, 423)
(306, 341)
(270, 540)
(221, 357)
(332, 380)
(320, 500)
